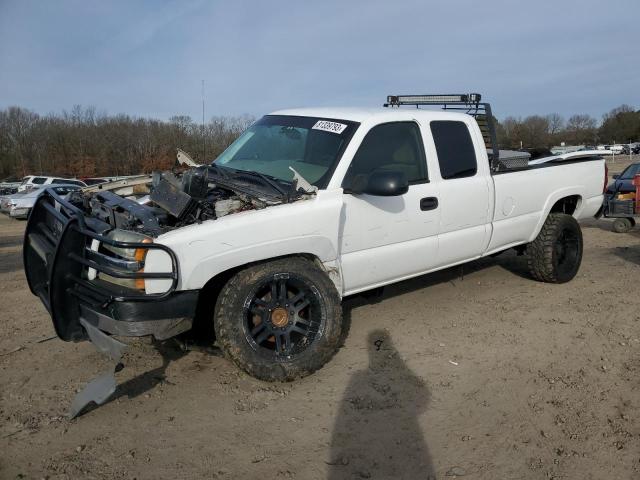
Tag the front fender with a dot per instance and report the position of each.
(318, 246)
(308, 226)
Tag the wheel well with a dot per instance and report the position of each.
(566, 205)
(202, 330)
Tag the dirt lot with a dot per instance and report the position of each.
(479, 372)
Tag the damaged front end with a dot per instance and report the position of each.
(165, 201)
(94, 260)
(71, 266)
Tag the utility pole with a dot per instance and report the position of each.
(204, 137)
(613, 151)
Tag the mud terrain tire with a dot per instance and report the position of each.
(279, 320)
(556, 253)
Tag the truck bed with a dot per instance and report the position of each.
(518, 212)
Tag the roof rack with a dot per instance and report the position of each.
(469, 103)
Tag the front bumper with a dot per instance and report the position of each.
(163, 319)
(58, 257)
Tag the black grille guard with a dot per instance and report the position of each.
(57, 255)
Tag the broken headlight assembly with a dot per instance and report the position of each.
(130, 259)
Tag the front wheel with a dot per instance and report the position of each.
(556, 253)
(279, 320)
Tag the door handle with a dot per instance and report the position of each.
(428, 203)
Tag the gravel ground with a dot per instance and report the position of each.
(477, 372)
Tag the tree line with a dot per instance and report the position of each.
(620, 125)
(85, 143)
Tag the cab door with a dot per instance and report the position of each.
(387, 238)
(466, 194)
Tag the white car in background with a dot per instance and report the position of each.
(617, 149)
(32, 181)
(19, 205)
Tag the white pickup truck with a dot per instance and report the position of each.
(304, 208)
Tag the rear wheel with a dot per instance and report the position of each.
(623, 225)
(279, 320)
(556, 253)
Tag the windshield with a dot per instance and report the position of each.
(630, 172)
(311, 146)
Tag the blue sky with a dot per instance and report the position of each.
(148, 58)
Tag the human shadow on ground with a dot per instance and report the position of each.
(630, 254)
(377, 432)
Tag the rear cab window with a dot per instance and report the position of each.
(39, 180)
(454, 146)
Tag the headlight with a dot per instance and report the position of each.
(132, 254)
(131, 237)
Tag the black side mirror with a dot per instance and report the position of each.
(381, 183)
(616, 176)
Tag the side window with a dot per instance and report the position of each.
(58, 181)
(393, 146)
(456, 154)
(39, 180)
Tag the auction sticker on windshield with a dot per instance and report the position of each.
(326, 126)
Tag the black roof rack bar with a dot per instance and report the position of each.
(438, 99)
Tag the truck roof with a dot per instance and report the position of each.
(361, 115)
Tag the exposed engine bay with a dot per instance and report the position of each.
(157, 203)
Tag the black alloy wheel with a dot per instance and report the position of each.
(283, 317)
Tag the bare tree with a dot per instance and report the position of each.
(83, 142)
(556, 123)
(535, 131)
(581, 129)
(620, 124)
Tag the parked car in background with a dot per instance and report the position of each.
(7, 188)
(623, 183)
(31, 181)
(538, 152)
(617, 149)
(632, 148)
(94, 180)
(562, 149)
(19, 205)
